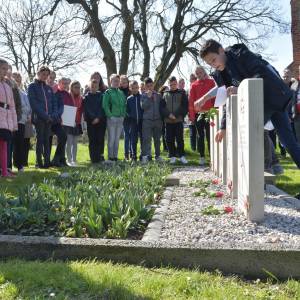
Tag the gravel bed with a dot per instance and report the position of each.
(185, 223)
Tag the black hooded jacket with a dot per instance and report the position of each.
(242, 64)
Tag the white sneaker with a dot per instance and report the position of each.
(172, 160)
(183, 160)
(202, 161)
(70, 164)
(74, 164)
(144, 159)
(159, 159)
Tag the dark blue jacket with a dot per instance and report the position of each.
(92, 107)
(59, 104)
(242, 64)
(134, 109)
(42, 102)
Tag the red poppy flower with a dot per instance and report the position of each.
(219, 194)
(215, 181)
(212, 124)
(216, 194)
(228, 210)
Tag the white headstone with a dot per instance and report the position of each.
(251, 149)
(222, 154)
(232, 146)
(216, 146)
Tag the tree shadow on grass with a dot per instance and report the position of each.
(65, 280)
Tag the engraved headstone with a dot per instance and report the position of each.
(232, 146)
(251, 149)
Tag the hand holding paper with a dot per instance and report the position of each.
(69, 115)
(221, 96)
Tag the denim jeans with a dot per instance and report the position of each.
(135, 133)
(127, 146)
(286, 136)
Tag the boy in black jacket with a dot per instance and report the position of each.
(96, 122)
(237, 63)
(135, 118)
(174, 107)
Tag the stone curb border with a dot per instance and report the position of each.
(252, 263)
(154, 228)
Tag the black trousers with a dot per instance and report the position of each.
(18, 147)
(96, 134)
(174, 132)
(43, 129)
(203, 130)
(58, 130)
(26, 151)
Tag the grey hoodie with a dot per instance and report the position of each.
(151, 106)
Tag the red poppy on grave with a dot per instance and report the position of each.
(216, 194)
(215, 181)
(212, 124)
(228, 210)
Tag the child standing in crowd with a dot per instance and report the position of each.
(114, 105)
(101, 86)
(174, 107)
(199, 88)
(124, 87)
(62, 96)
(8, 117)
(19, 136)
(74, 132)
(152, 122)
(162, 90)
(51, 81)
(94, 116)
(181, 84)
(10, 81)
(135, 118)
(41, 98)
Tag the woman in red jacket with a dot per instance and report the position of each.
(199, 88)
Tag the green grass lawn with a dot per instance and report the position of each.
(96, 280)
(289, 181)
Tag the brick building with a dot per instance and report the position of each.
(295, 30)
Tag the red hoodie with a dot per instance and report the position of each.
(77, 101)
(198, 89)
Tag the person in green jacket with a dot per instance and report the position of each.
(114, 105)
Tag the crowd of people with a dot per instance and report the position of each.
(139, 112)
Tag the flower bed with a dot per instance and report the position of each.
(98, 203)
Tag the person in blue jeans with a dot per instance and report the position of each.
(135, 118)
(236, 63)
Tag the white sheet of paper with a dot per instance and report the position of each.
(269, 126)
(69, 115)
(221, 96)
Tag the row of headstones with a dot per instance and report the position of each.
(239, 159)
